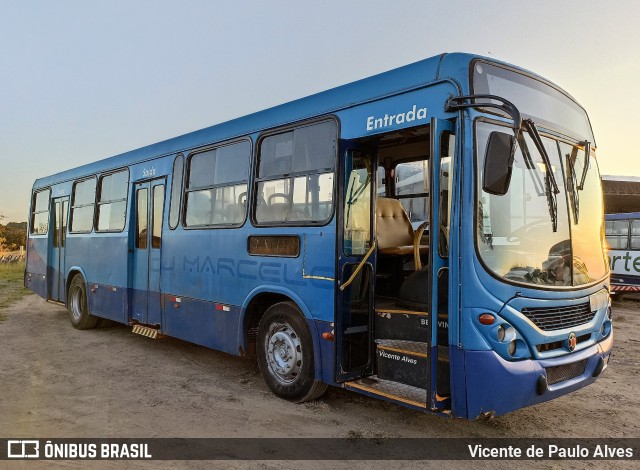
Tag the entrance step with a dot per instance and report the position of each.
(394, 391)
(397, 323)
(403, 361)
(149, 332)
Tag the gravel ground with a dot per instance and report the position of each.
(59, 382)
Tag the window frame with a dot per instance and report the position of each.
(628, 236)
(99, 203)
(72, 206)
(256, 180)
(185, 190)
(395, 195)
(34, 195)
(630, 245)
(179, 184)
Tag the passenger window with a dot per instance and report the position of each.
(158, 205)
(412, 189)
(357, 204)
(296, 176)
(382, 182)
(142, 218)
(635, 234)
(617, 233)
(217, 186)
(40, 212)
(112, 202)
(82, 205)
(176, 191)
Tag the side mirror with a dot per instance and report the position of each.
(498, 163)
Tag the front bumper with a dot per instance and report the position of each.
(499, 386)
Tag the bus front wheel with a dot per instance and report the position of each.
(285, 354)
(79, 314)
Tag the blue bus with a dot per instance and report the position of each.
(623, 239)
(431, 236)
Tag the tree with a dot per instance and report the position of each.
(3, 231)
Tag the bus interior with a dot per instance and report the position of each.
(398, 279)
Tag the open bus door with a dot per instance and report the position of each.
(395, 346)
(440, 166)
(356, 261)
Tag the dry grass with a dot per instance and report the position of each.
(11, 284)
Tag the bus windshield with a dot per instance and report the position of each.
(516, 236)
(546, 105)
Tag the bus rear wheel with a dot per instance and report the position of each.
(79, 314)
(285, 354)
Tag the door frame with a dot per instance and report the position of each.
(57, 274)
(152, 309)
(344, 261)
(438, 263)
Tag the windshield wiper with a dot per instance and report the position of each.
(587, 157)
(551, 185)
(573, 184)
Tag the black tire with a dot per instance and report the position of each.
(285, 354)
(617, 297)
(79, 314)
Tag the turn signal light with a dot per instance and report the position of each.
(486, 319)
(327, 335)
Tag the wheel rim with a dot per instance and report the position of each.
(284, 352)
(77, 301)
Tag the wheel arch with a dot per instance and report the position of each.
(71, 273)
(254, 308)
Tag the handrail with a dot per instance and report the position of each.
(355, 273)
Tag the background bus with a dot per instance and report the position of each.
(623, 239)
(387, 236)
(622, 206)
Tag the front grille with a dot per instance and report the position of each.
(568, 371)
(557, 318)
(558, 344)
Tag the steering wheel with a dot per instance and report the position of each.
(521, 232)
(417, 237)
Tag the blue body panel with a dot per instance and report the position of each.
(500, 386)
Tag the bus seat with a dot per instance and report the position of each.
(279, 211)
(234, 213)
(393, 229)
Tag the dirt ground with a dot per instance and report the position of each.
(56, 381)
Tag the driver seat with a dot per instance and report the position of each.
(393, 229)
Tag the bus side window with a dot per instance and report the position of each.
(40, 212)
(176, 191)
(217, 186)
(82, 205)
(112, 201)
(412, 189)
(635, 234)
(617, 234)
(295, 178)
(158, 205)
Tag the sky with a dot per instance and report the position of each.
(84, 80)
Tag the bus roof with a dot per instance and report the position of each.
(622, 216)
(621, 194)
(368, 89)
